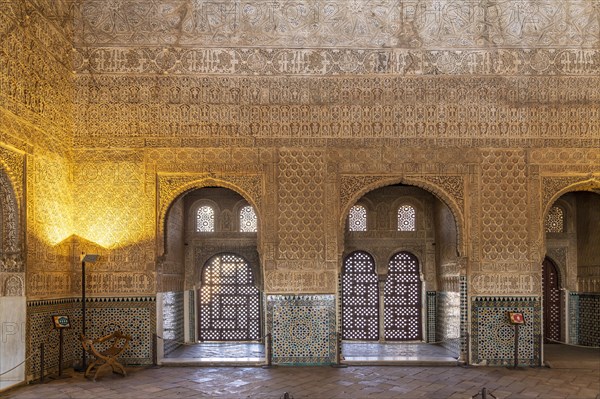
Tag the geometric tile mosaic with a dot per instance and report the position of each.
(573, 315)
(303, 329)
(135, 316)
(431, 316)
(464, 318)
(589, 319)
(493, 339)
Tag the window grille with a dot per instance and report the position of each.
(205, 219)
(555, 221)
(406, 218)
(248, 220)
(402, 299)
(357, 218)
(229, 308)
(360, 298)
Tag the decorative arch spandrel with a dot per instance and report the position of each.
(352, 188)
(553, 187)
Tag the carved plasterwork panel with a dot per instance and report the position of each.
(11, 284)
(212, 111)
(295, 281)
(49, 225)
(36, 70)
(504, 205)
(301, 205)
(506, 266)
(361, 23)
(317, 62)
(505, 284)
(11, 196)
(555, 186)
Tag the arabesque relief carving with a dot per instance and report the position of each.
(359, 23)
(331, 111)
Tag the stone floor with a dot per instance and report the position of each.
(350, 350)
(323, 382)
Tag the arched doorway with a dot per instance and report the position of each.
(229, 302)
(401, 242)
(210, 279)
(552, 301)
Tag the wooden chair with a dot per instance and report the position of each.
(115, 344)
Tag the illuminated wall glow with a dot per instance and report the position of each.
(52, 201)
(111, 206)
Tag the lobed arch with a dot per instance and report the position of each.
(170, 193)
(592, 184)
(432, 188)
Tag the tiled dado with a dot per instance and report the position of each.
(302, 328)
(133, 315)
(588, 316)
(493, 337)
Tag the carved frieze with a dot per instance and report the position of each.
(505, 284)
(286, 281)
(356, 23)
(161, 111)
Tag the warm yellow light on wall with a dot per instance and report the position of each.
(108, 225)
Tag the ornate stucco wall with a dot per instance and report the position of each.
(36, 127)
(303, 107)
(112, 110)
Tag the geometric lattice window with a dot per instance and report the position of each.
(229, 308)
(406, 218)
(248, 220)
(555, 221)
(360, 298)
(357, 218)
(205, 219)
(402, 299)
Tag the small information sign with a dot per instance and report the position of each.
(61, 321)
(516, 318)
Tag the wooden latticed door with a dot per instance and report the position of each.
(360, 298)
(229, 304)
(552, 301)
(402, 299)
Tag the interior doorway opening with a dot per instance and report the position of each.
(211, 280)
(399, 288)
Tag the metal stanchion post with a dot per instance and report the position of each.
(338, 351)
(516, 346)
(268, 349)
(154, 350)
(42, 363)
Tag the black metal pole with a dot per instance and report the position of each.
(60, 353)
(154, 350)
(42, 363)
(83, 357)
(516, 345)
